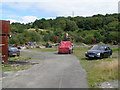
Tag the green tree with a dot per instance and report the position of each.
(17, 28)
(42, 24)
(59, 22)
(70, 26)
(88, 40)
(113, 26)
(99, 37)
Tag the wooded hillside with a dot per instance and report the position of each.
(101, 28)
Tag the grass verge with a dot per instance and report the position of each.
(98, 70)
(8, 67)
(17, 63)
(46, 49)
(19, 58)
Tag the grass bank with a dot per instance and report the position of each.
(8, 67)
(98, 70)
(16, 63)
(46, 49)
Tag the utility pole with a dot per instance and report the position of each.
(72, 13)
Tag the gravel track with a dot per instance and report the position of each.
(51, 70)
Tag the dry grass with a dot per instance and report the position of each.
(104, 71)
(109, 69)
(111, 66)
(98, 70)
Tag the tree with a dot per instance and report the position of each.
(80, 23)
(59, 22)
(112, 26)
(80, 29)
(98, 15)
(98, 37)
(49, 37)
(88, 40)
(17, 28)
(42, 24)
(70, 26)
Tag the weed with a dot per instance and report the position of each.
(9, 67)
(16, 67)
(115, 49)
(46, 49)
(98, 70)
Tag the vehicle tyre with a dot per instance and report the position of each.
(89, 58)
(101, 56)
(59, 53)
(70, 51)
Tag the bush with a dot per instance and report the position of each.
(87, 40)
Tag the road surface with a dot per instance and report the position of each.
(51, 70)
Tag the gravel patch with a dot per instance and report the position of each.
(109, 84)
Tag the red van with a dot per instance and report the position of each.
(65, 47)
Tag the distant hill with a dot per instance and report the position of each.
(102, 28)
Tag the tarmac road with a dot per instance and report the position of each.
(51, 71)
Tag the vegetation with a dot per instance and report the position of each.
(19, 58)
(89, 30)
(16, 63)
(100, 28)
(98, 70)
(46, 49)
(8, 67)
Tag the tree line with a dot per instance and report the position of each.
(94, 29)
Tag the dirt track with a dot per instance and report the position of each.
(51, 70)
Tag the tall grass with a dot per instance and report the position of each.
(103, 71)
(46, 49)
(98, 70)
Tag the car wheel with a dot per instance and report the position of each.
(70, 51)
(101, 56)
(90, 58)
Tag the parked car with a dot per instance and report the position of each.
(99, 51)
(13, 51)
(65, 47)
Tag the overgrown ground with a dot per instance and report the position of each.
(17, 63)
(98, 70)
(46, 49)
(20, 63)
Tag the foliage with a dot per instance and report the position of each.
(103, 28)
(6, 68)
(46, 49)
(70, 25)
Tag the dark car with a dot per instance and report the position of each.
(13, 51)
(99, 51)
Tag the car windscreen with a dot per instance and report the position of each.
(13, 49)
(98, 48)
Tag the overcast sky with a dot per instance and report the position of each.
(25, 11)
